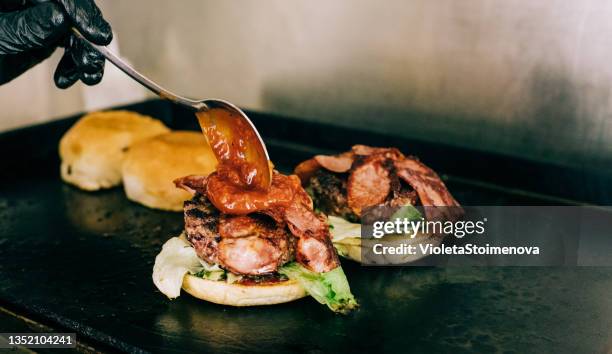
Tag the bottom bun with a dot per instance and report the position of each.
(223, 293)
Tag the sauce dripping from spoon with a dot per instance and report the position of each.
(242, 159)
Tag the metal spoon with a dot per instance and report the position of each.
(222, 124)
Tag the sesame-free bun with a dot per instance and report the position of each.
(151, 166)
(92, 151)
(221, 292)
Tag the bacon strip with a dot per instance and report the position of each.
(192, 184)
(365, 150)
(306, 169)
(250, 245)
(343, 162)
(430, 188)
(374, 176)
(338, 163)
(368, 184)
(314, 247)
(251, 255)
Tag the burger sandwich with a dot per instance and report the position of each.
(366, 181)
(248, 247)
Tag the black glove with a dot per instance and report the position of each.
(31, 30)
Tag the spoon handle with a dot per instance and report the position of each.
(143, 80)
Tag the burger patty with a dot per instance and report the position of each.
(329, 194)
(201, 227)
(251, 244)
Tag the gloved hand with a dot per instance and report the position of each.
(31, 30)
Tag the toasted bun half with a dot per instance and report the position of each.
(92, 151)
(223, 293)
(150, 166)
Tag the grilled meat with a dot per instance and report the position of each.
(369, 182)
(314, 248)
(263, 240)
(201, 227)
(430, 189)
(329, 194)
(253, 244)
(343, 185)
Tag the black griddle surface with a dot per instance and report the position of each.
(82, 262)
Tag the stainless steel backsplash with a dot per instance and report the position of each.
(522, 77)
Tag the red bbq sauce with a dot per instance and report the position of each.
(241, 184)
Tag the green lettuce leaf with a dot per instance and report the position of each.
(216, 275)
(341, 229)
(176, 259)
(408, 212)
(330, 288)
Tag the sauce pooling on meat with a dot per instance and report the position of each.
(234, 199)
(241, 184)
